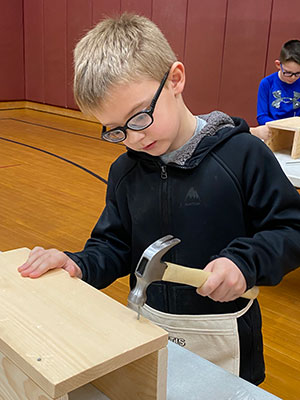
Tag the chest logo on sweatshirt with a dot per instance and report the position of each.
(286, 100)
(192, 198)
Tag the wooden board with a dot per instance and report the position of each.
(285, 135)
(295, 153)
(62, 333)
(15, 385)
(281, 140)
(285, 123)
(131, 379)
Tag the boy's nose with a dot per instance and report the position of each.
(134, 137)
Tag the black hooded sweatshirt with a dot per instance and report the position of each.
(229, 199)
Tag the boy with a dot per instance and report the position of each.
(279, 93)
(203, 179)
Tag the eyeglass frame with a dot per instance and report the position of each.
(289, 74)
(149, 111)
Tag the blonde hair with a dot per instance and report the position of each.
(118, 50)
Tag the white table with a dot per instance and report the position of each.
(193, 378)
(290, 166)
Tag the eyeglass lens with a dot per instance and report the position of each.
(290, 74)
(114, 135)
(139, 121)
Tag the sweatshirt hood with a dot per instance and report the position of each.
(222, 134)
(212, 122)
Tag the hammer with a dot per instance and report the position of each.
(150, 268)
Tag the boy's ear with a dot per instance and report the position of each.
(177, 77)
(277, 64)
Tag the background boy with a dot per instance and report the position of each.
(279, 93)
(203, 179)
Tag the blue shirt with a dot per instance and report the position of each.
(277, 99)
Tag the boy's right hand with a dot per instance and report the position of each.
(40, 261)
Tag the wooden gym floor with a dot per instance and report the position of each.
(53, 171)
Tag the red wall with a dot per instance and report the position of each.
(11, 50)
(226, 45)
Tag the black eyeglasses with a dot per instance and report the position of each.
(289, 74)
(137, 122)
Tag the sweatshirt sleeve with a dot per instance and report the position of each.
(263, 114)
(107, 253)
(272, 211)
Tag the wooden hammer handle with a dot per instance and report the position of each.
(196, 277)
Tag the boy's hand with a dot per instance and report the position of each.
(40, 261)
(263, 132)
(226, 282)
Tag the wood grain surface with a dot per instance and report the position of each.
(63, 333)
(15, 385)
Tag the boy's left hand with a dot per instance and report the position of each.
(226, 281)
(262, 131)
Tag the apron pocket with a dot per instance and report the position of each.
(213, 337)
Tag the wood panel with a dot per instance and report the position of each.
(243, 64)
(55, 55)
(203, 53)
(131, 379)
(26, 171)
(34, 50)
(285, 135)
(281, 329)
(15, 385)
(104, 8)
(11, 50)
(62, 333)
(79, 17)
(59, 187)
(227, 46)
(141, 7)
(171, 19)
(284, 26)
(30, 105)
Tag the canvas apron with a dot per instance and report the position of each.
(213, 337)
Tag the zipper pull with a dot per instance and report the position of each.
(163, 173)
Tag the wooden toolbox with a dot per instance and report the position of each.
(285, 136)
(57, 334)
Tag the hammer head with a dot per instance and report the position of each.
(150, 268)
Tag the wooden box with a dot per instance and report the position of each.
(57, 333)
(285, 135)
